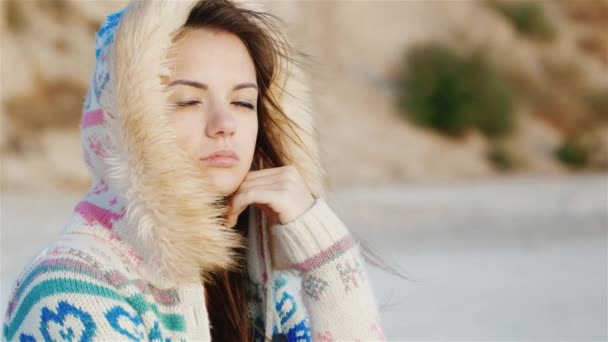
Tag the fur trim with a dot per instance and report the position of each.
(178, 215)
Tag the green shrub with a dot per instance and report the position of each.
(504, 158)
(527, 17)
(573, 152)
(451, 93)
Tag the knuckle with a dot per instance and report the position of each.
(248, 194)
(284, 179)
(290, 173)
(285, 184)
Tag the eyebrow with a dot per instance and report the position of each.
(203, 86)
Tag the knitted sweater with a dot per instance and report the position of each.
(85, 286)
(131, 262)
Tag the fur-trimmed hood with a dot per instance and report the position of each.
(147, 196)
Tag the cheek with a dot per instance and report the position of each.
(187, 129)
(251, 132)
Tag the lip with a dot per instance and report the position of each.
(222, 158)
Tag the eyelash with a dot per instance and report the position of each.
(245, 104)
(195, 102)
(187, 103)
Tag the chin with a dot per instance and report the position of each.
(226, 183)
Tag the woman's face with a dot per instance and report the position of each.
(214, 102)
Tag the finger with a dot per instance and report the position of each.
(235, 210)
(265, 172)
(260, 194)
(251, 195)
(281, 177)
(262, 180)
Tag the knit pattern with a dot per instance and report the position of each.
(89, 284)
(79, 288)
(294, 320)
(71, 292)
(336, 289)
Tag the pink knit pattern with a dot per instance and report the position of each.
(326, 255)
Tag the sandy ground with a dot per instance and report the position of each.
(518, 259)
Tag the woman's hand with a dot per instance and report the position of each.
(280, 192)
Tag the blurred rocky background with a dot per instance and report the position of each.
(465, 140)
(406, 91)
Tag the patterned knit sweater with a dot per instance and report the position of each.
(131, 262)
(85, 286)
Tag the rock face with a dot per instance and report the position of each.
(47, 59)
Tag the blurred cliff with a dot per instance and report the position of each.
(406, 91)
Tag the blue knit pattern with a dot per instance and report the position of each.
(294, 320)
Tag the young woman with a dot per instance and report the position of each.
(206, 218)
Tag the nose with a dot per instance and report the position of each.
(221, 123)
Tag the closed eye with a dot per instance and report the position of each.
(187, 103)
(196, 102)
(244, 104)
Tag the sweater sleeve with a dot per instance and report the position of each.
(60, 301)
(337, 291)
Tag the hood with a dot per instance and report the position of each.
(147, 195)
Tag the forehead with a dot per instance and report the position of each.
(205, 54)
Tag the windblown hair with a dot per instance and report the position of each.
(260, 33)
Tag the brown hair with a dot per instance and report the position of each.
(225, 294)
(259, 32)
